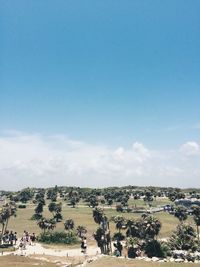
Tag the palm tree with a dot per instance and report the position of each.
(148, 197)
(25, 195)
(47, 224)
(196, 217)
(133, 228)
(92, 201)
(175, 194)
(39, 195)
(98, 215)
(56, 209)
(69, 224)
(99, 237)
(120, 222)
(180, 213)
(74, 198)
(38, 210)
(3, 216)
(150, 227)
(81, 230)
(6, 212)
(102, 235)
(52, 194)
(52, 207)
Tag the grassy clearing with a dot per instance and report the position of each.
(82, 215)
(139, 203)
(118, 262)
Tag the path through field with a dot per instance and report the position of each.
(64, 256)
(70, 252)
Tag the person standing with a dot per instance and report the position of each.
(11, 238)
(85, 245)
(33, 238)
(82, 245)
(15, 238)
(119, 247)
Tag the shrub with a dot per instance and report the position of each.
(58, 238)
(183, 238)
(190, 257)
(133, 246)
(21, 206)
(132, 252)
(166, 249)
(36, 217)
(154, 248)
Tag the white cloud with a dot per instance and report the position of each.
(38, 160)
(190, 148)
(141, 150)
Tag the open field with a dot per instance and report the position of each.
(82, 215)
(156, 202)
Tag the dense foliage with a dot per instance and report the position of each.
(55, 237)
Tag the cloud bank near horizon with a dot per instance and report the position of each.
(40, 161)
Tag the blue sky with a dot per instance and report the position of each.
(103, 72)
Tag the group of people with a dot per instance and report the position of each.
(27, 239)
(9, 237)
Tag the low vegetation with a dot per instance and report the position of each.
(64, 215)
(68, 238)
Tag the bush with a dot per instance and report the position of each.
(183, 238)
(21, 206)
(190, 257)
(132, 252)
(36, 217)
(68, 238)
(134, 247)
(166, 250)
(154, 248)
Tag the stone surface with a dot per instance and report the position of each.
(155, 259)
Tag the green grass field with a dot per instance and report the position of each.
(139, 203)
(82, 215)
